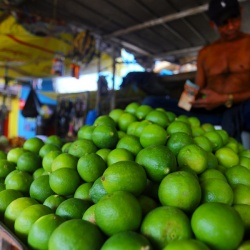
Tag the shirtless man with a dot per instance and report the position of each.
(223, 74)
(223, 67)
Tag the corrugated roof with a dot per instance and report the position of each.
(165, 29)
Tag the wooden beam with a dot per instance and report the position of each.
(161, 20)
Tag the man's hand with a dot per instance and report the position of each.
(209, 100)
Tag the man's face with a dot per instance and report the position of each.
(230, 28)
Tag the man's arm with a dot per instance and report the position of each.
(213, 99)
(200, 74)
(208, 98)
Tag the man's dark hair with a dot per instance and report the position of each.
(220, 11)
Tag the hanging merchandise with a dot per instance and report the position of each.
(75, 70)
(70, 113)
(58, 65)
(63, 116)
(32, 105)
(102, 85)
(85, 47)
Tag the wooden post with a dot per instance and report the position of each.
(98, 91)
(4, 109)
(112, 100)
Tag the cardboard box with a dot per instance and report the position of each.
(188, 95)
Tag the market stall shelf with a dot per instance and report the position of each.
(8, 241)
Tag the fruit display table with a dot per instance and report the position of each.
(8, 241)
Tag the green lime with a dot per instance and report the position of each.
(158, 117)
(119, 154)
(3, 155)
(105, 136)
(53, 201)
(33, 144)
(89, 214)
(147, 204)
(216, 190)
(103, 152)
(142, 124)
(6, 197)
(116, 113)
(64, 160)
(6, 167)
(142, 111)
(212, 174)
(215, 139)
(81, 147)
(188, 244)
(66, 146)
(82, 192)
(171, 116)
(14, 154)
(227, 226)
(130, 143)
(125, 120)
(238, 175)
(29, 162)
(104, 120)
(157, 160)
(153, 134)
(117, 212)
(178, 140)
(54, 139)
(85, 132)
(194, 121)
(164, 225)
(72, 208)
(41, 230)
(204, 143)
(97, 191)
(15, 208)
(64, 181)
(179, 126)
(40, 188)
(76, 234)
(127, 240)
(207, 127)
(227, 157)
(46, 148)
(196, 131)
(193, 157)
(180, 189)
(19, 180)
(132, 127)
(124, 176)
(27, 218)
(48, 159)
(90, 167)
(132, 107)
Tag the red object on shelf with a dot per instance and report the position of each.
(75, 70)
(6, 126)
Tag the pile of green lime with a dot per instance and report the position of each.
(137, 179)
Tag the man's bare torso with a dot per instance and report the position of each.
(227, 65)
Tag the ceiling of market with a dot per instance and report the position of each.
(172, 30)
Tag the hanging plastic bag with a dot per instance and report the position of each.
(58, 66)
(32, 105)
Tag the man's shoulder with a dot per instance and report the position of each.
(220, 43)
(247, 36)
(206, 49)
